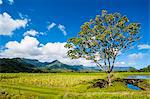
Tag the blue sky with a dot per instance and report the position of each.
(64, 18)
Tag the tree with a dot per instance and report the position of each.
(101, 40)
(146, 69)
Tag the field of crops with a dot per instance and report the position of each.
(65, 86)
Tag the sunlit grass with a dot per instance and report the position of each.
(50, 80)
(66, 85)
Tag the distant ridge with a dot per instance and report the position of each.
(58, 66)
(35, 62)
(16, 65)
(124, 69)
(31, 65)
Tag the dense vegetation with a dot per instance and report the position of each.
(146, 69)
(68, 85)
(16, 65)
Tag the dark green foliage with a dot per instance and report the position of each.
(16, 65)
(146, 69)
(101, 83)
(35, 62)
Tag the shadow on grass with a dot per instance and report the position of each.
(102, 83)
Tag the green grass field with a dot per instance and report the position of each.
(66, 86)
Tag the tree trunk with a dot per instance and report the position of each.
(109, 79)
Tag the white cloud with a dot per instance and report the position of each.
(1, 2)
(29, 47)
(50, 26)
(8, 24)
(136, 56)
(23, 16)
(120, 63)
(32, 33)
(62, 28)
(143, 46)
(11, 1)
(80, 61)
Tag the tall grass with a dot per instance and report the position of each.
(65, 85)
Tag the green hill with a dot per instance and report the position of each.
(16, 65)
(57, 66)
(146, 69)
(29, 65)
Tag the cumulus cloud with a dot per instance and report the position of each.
(62, 28)
(136, 56)
(8, 25)
(143, 46)
(11, 1)
(32, 33)
(1, 2)
(50, 26)
(120, 63)
(27, 47)
(30, 48)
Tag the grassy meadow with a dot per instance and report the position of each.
(67, 86)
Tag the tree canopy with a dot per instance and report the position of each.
(101, 39)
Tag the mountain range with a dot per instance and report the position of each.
(30, 65)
